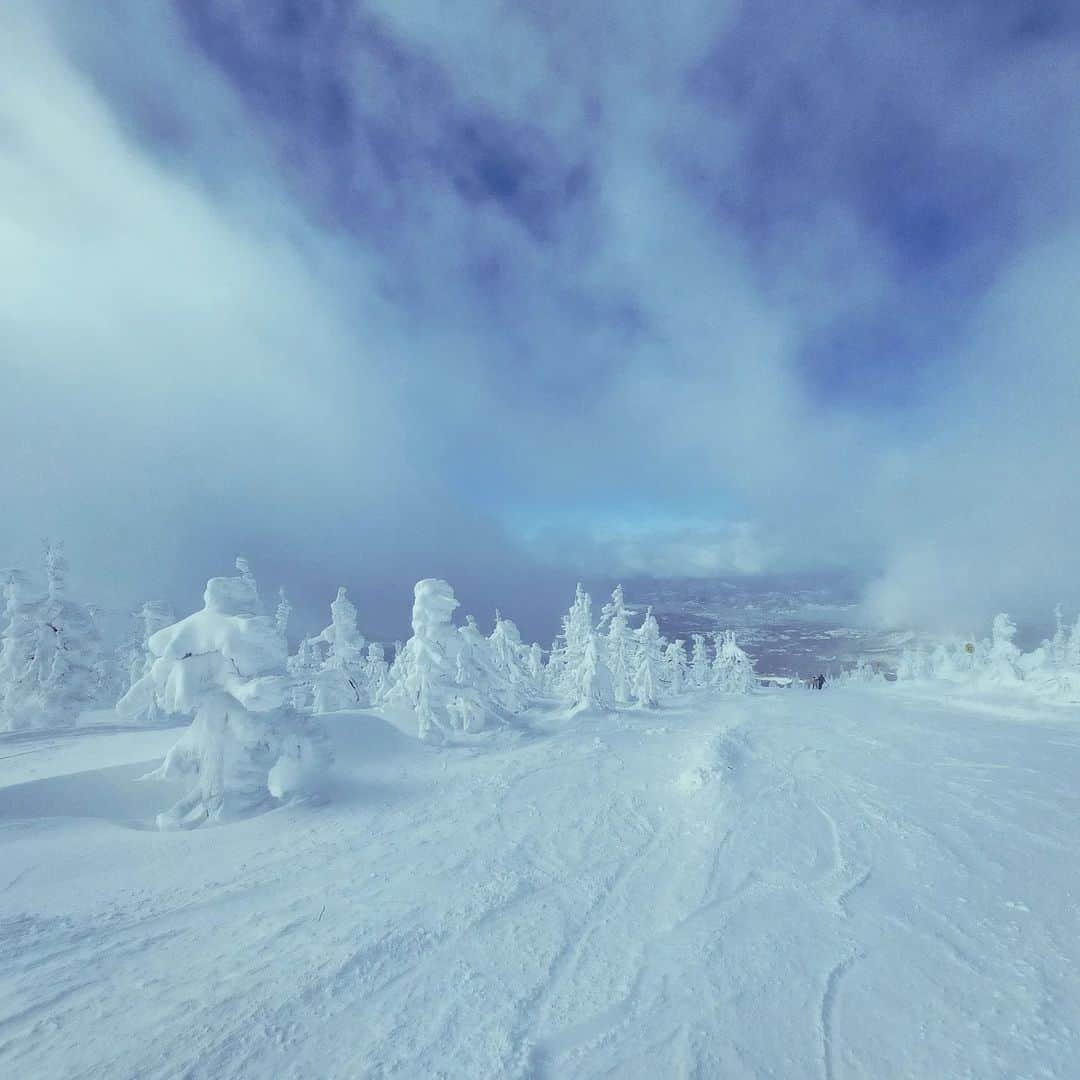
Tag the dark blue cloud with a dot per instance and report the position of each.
(368, 125)
(876, 110)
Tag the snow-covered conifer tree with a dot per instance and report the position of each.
(48, 655)
(246, 745)
(589, 684)
(17, 646)
(620, 648)
(1002, 660)
(913, 665)
(942, 663)
(281, 616)
(153, 616)
(110, 668)
(864, 672)
(535, 664)
(340, 683)
(700, 670)
(304, 667)
(427, 676)
(376, 672)
(648, 662)
(675, 668)
(245, 571)
(555, 670)
(568, 652)
(479, 667)
(1057, 646)
(733, 670)
(511, 658)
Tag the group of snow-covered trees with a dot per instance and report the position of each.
(50, 651)
(453, 677)
(1052, 669)
(254, 736)
(608, 664)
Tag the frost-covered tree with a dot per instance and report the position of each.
(568, 652)
(341, 683)
(589, 683)
(675, 668)
(648, 662)
(304, 667)
(1055, 648)
(620, 648)
(12, 584)
(914, 665)
(282, 614)
(427, 677)
(246, 746)
(864, 672)
(478, 668)
(700, 669)
(535, 665)
(1052, 669)
(1004, 654)
(248, 577)
(110, 667)
(375, 672)
(512, 659)
(555, 669)
(1072, 648)
(153, 616)
(48, 655)
(17, 652)
(733, 670)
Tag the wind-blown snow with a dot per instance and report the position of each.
(871, 881)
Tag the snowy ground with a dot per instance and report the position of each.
(863, 882)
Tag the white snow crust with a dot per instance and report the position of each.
(872, 881)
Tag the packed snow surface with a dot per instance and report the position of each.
(871, 881)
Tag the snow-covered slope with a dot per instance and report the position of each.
(861, 882)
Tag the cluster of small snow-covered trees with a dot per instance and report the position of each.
(609, 664)
(254, 736)
(333, 669)
(1052, 669)
(50, 651)
(454, 679)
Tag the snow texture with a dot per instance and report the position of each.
(874, 881)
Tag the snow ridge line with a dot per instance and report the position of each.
(828, 1004)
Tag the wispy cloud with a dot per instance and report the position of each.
(382, 290)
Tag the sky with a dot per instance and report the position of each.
(516, 293)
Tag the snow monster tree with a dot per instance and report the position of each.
(247, 747)
(446, 677)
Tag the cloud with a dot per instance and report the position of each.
(610, 549)
(516, 293)
(987, 509)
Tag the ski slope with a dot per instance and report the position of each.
(865, 882)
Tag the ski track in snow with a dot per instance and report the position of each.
(850, 884)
